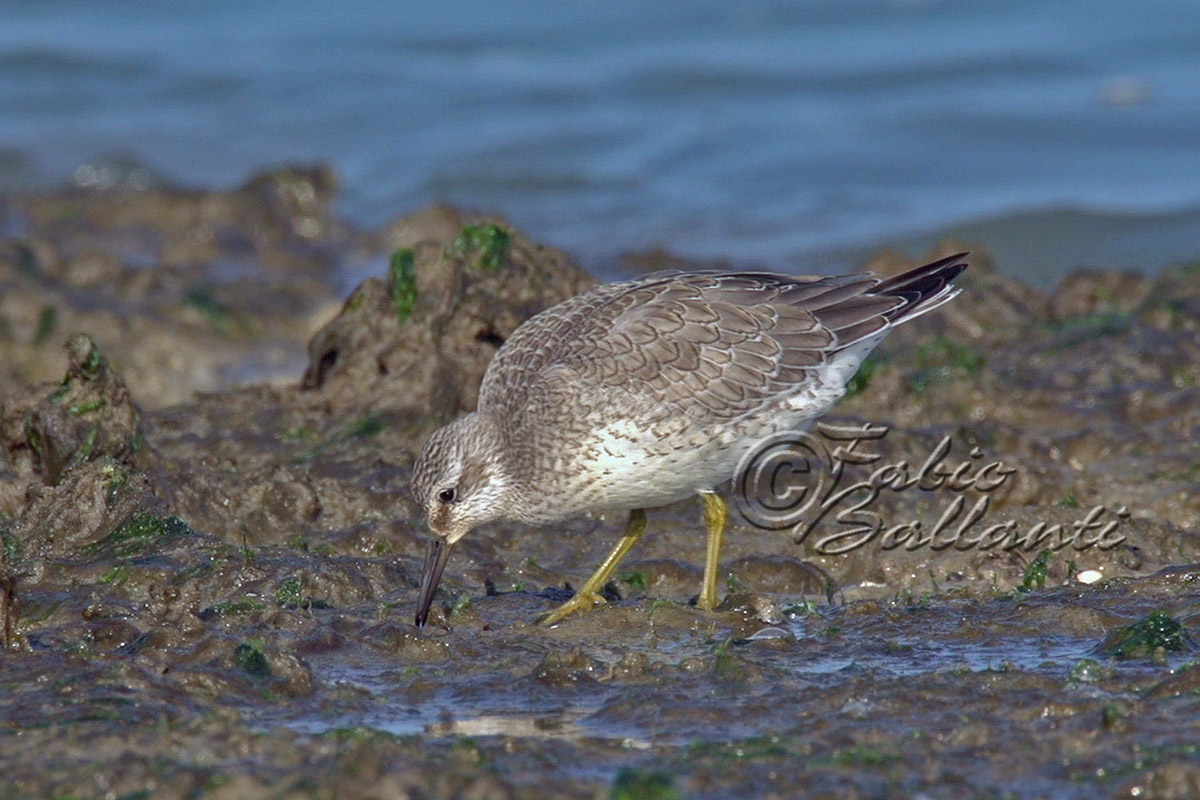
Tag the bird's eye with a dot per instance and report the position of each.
(448, 495)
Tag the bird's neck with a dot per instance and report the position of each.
(489, 451)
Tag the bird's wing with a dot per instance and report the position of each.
(709, 346)
(712, 346)
(545, 339)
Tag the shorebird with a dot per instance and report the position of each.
(638, 394)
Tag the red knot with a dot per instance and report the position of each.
(638, 394)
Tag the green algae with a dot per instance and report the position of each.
(94, 361)
(491, 242)
(1076, 330)
(47, 322)
(290, 595)
(250, 659)
(1145, 637)
(117, 576)
(755, 748)
(1035, 573)
(301, 433)
(141, 531)
(636, 784)
(201, 298)
(1087, 670)
(859, 382)
(13, 549)
(942, 360)
(359, 733)
(636, 580)
(366, 426)
(804, 608)
(402, 281)
(864, 756)
(79, 409)
(116, 478)
(460, 606)
(231, 608)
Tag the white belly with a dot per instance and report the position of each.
(631, 474)
(622, 466)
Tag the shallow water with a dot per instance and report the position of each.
(457, 698)
(486, 708)
(791, 133)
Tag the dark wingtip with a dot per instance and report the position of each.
(921, 283)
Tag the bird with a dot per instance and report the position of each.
(637, 394)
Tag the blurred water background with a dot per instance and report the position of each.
(791, 134)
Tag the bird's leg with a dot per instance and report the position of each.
(716, 515)
(589, 594)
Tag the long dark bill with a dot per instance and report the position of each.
(435, 562)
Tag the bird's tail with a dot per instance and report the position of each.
(922, 288)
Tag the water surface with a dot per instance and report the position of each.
(789, 133)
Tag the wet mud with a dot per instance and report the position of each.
(210, 557)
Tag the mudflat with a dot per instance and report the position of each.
(210, 556)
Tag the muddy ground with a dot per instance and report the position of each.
(210, 557)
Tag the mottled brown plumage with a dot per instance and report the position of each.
(640, 393)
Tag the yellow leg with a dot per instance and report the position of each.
(589, 594)
(716, 515)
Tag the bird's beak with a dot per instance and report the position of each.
(435, 562)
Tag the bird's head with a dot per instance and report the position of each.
(459, 481)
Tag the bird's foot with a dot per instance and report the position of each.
(707, 601)
(582, 601)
